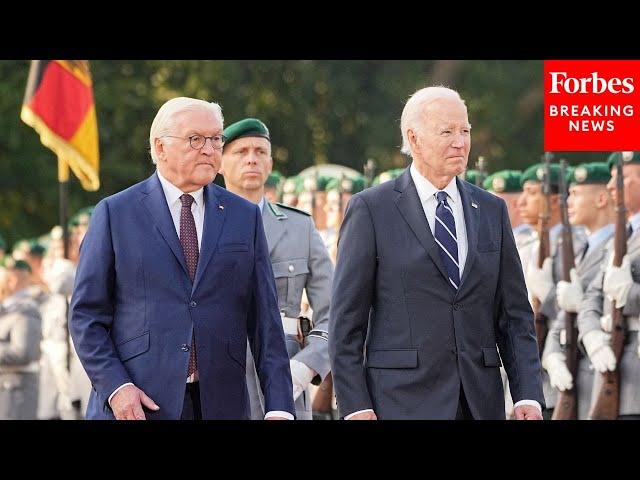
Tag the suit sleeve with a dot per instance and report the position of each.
(265, 332)
(352, 295)
(92, 307)
(515, 331)
(316, 353)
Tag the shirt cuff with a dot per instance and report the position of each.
(117, 390)
(279, 413)
(528, 402)
(347, 417)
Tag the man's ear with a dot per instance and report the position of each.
(158, 144)
(413, 138)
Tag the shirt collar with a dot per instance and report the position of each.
(427, 190)
(600, 235)
(173, 193)
(635, 222)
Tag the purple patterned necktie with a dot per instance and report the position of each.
(189, 241)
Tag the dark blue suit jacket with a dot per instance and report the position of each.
(134, 307)
(402, 340)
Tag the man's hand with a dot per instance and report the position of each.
(128, 402)
(569, 294)
(559, 375)
(369, 415)
(596, 343)
(618, 282)
(540, 280)
(301, 376)
(527, 412)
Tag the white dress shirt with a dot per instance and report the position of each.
(172, 194)
(427, 194)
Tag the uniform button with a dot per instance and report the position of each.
(184, 347)
(193, 304)
(291, 269)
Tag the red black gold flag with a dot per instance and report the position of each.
(59, 105)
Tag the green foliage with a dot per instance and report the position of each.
(320, 111)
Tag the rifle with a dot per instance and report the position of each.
(540, 320)
(607, 404)
(369, 170)
(567, 403)
(481, 166)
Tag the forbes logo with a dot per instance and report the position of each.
(562, 83)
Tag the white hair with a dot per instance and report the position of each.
(164, 122)
(414, 109)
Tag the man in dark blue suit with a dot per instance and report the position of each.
(174, 276)
(428, 283)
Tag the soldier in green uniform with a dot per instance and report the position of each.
(298, 258)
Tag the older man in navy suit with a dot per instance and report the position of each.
(174, 276)
(428, 284)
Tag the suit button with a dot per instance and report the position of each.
(457, 306)
(291, 268)
(184, 347)
(193, 304)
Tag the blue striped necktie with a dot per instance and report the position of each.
(445, 236)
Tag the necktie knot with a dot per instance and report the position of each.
(186, 200)
(441, 196)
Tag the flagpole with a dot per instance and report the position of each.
(63, 182)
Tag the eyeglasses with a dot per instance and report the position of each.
(198, 141)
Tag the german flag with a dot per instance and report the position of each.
(59, 105)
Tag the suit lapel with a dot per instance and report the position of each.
(471, 224)
(156, 204)
(408, 203)
(274, 228)
(214, 216)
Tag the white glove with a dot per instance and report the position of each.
(606, 323)
(569, 294)
(301, 375)
(618, 282)
(596, 342)
(540, 280)
(559, 375)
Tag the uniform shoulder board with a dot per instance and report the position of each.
(288, 207)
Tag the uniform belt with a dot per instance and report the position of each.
(29, 368)
(290, 325)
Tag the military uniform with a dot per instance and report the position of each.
(19, 355)
(300, 261)
(595, 304)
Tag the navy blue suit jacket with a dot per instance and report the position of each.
(402, 340)
(134, 307)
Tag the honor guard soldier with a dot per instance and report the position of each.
(299, 260)
(589, 205)
(622, 285)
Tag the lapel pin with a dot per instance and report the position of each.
(221, 207)
(474, 205)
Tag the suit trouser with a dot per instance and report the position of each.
(463, 412)
(191, 408)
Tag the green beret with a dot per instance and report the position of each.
(627, 157)
(387, 175)
(81, 217)
(590, 173)
(534, 173)
(504, 181)
(293, 185)
(471, 176)
(249, 127)
(36, 248)
(11, 263)
(274, 179)
(347, 184)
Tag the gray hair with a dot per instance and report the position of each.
(414, 108)
(164, 122)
